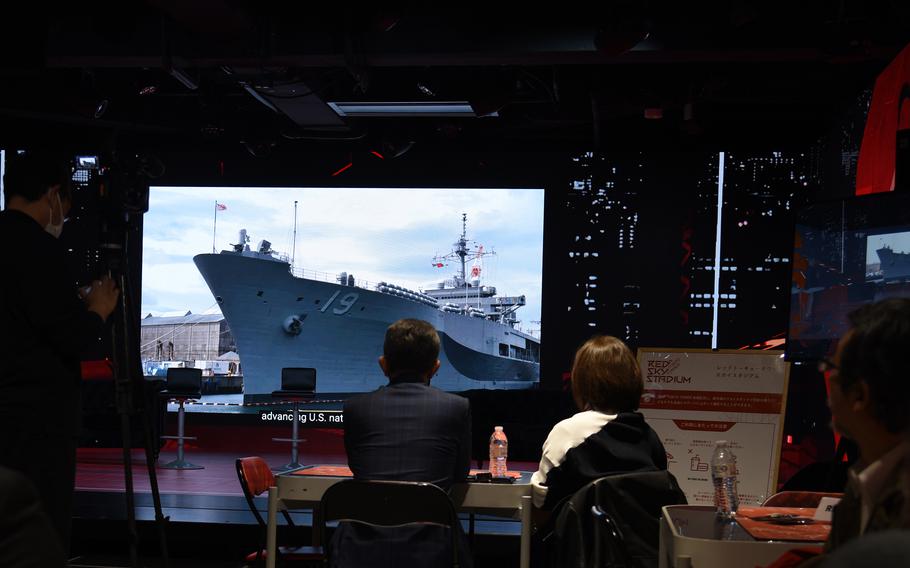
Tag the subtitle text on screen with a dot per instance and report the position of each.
(325, 418)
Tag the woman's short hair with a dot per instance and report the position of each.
(606, 376)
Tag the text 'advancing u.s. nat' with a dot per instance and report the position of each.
(310, 417)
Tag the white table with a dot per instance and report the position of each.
(511, 501)
(690, 537)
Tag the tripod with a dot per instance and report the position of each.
(127, 377)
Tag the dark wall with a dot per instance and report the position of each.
(629, 240)
(629, 237)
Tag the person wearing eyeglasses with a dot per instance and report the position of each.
(869, 397)
(46, 322)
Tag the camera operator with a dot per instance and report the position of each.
(46, 323)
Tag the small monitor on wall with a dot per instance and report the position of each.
(846, 254)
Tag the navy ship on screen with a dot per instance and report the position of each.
(894, 265)
(281, 316)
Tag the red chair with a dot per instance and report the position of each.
(255, 479)
(809, 499)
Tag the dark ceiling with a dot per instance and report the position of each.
(258, 74)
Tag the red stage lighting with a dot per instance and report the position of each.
(342, 169)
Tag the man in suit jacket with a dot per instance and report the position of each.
(409, 430)
(406, 431)
(869, 398)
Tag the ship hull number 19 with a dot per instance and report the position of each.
(344, 304)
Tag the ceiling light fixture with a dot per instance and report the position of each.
(183, 78)
(256, 95)
(349, 164)
(390, 109)
(101, 108)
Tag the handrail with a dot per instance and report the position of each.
(331, 278)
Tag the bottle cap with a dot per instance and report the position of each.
(497, 428)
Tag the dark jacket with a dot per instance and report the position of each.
(887, 512)
(408, 431)
(579, 450)
(890, 511)
(625, 529)
(45, 327)
(405, 431)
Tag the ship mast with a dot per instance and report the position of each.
(294, 245)
(461, 250)
(461, 247)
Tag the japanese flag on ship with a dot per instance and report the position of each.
(476, 267)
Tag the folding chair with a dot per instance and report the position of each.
(255, 479)
(614, 521)
(386, 504)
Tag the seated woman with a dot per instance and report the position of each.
(607, 436)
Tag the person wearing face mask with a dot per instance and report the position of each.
(46, 323)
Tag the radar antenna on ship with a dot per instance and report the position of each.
(463, 249)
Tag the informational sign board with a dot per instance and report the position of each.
(694, 398)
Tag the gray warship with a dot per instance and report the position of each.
(894, 265)
(282, 316)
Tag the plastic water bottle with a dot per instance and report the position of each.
(723, 474)
(724, 529)
(499, 452)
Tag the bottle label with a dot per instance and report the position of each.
(723, 470)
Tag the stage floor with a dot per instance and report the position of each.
(207, 505)
(209, 495)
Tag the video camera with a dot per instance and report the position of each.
(109, 195)
(103, 236)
